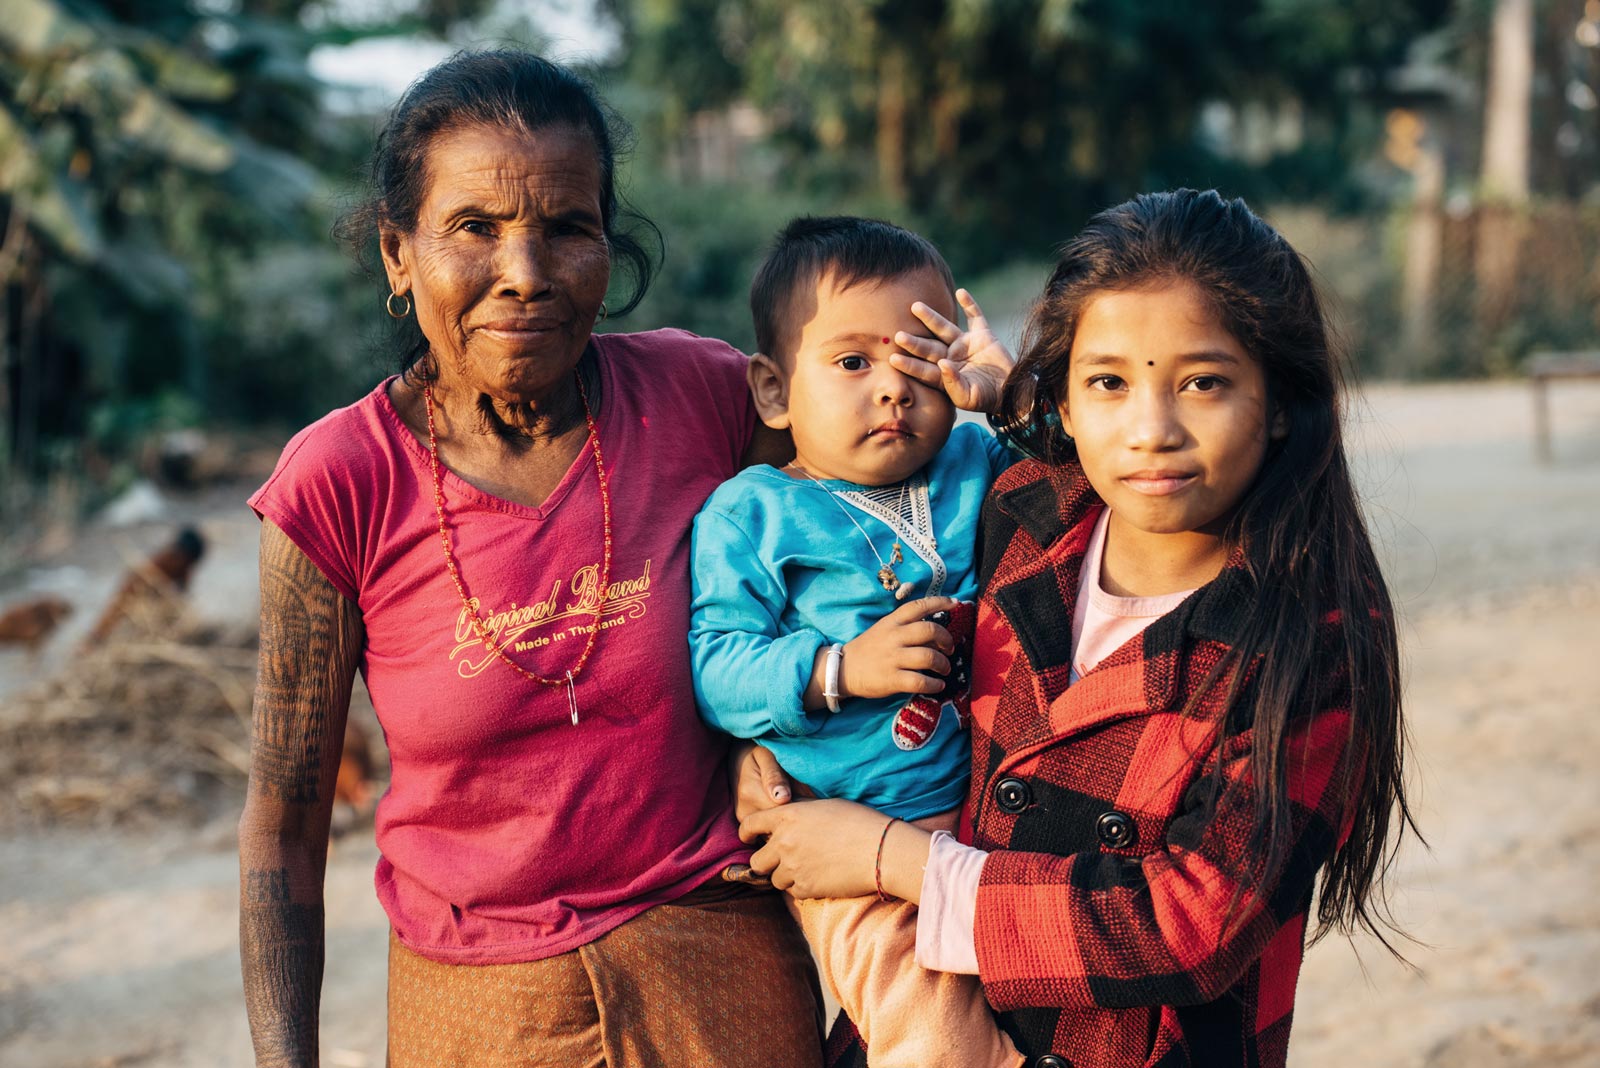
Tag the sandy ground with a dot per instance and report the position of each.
(119, 949)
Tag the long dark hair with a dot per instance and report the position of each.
(1308, 556)
(513, 90)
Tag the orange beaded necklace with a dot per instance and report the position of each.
(569, 680)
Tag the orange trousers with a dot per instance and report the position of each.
(908, 1016)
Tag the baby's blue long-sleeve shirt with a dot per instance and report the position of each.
(780, 572)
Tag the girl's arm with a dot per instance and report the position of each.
(1179, 925)
(311, 640)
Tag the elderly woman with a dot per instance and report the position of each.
(498, 538)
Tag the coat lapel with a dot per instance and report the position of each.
(1040, 512)
(1160, 668)
(1034, 587)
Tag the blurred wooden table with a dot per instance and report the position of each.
(1541, 368)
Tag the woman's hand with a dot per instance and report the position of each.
(971, 365)
(896, 653)
(826, 848)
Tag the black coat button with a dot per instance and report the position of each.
(1012, 795)
(1116, 829)
(1050, 1060)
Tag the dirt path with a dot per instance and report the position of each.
(120, 949)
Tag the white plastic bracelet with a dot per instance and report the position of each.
(830, 676)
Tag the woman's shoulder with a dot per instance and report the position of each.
(330, 482)
(692, 387)
(345, 447)
(671, 349)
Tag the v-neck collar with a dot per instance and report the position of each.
(606, 422)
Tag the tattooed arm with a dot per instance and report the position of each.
(311, 639)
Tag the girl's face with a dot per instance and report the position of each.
(1168, 410)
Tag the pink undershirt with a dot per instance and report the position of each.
(1101, 624)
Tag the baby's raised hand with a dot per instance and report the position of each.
(970, 365)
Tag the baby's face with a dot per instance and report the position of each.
(853, 416)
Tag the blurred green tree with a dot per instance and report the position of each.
(168, 172)
(999, 124)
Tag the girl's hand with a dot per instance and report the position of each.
(893, 654)
(970, 366)
(826, 848)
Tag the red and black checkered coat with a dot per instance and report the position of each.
(1114, 860)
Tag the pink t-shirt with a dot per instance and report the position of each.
(1102, 622)
(507, 833)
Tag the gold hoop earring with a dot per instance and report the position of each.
(388, 305)
(603, 311)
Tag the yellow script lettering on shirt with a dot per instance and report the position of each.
(509, 628)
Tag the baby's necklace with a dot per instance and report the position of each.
(886, 574)
(568, 680)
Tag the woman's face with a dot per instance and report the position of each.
(508, 262)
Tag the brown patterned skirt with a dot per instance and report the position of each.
(720, 977)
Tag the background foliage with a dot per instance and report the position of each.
(170, 171)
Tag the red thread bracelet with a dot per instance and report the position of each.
(877, 865)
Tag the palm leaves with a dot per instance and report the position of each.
(88, 101)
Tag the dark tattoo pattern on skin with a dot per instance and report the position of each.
(282, 946)
(311, 639)
(301, 616)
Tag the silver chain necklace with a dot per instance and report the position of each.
(886, 573)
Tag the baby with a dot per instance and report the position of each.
(832, 598)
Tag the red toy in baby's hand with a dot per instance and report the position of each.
(917, 719)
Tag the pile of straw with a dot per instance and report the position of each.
(152, 726)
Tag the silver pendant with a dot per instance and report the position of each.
(572, 698)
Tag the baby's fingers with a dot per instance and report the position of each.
(969, 304)
(912, 611)
(915, 682)
(942, 328)
(925, 371)
(926, 658)
(925, 634)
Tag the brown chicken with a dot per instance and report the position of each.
(31, 622)
(159, 578)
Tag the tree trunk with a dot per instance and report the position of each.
(1506, 115)
(1424, 251)
(891, 139)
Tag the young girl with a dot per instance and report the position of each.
(1186, 699)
